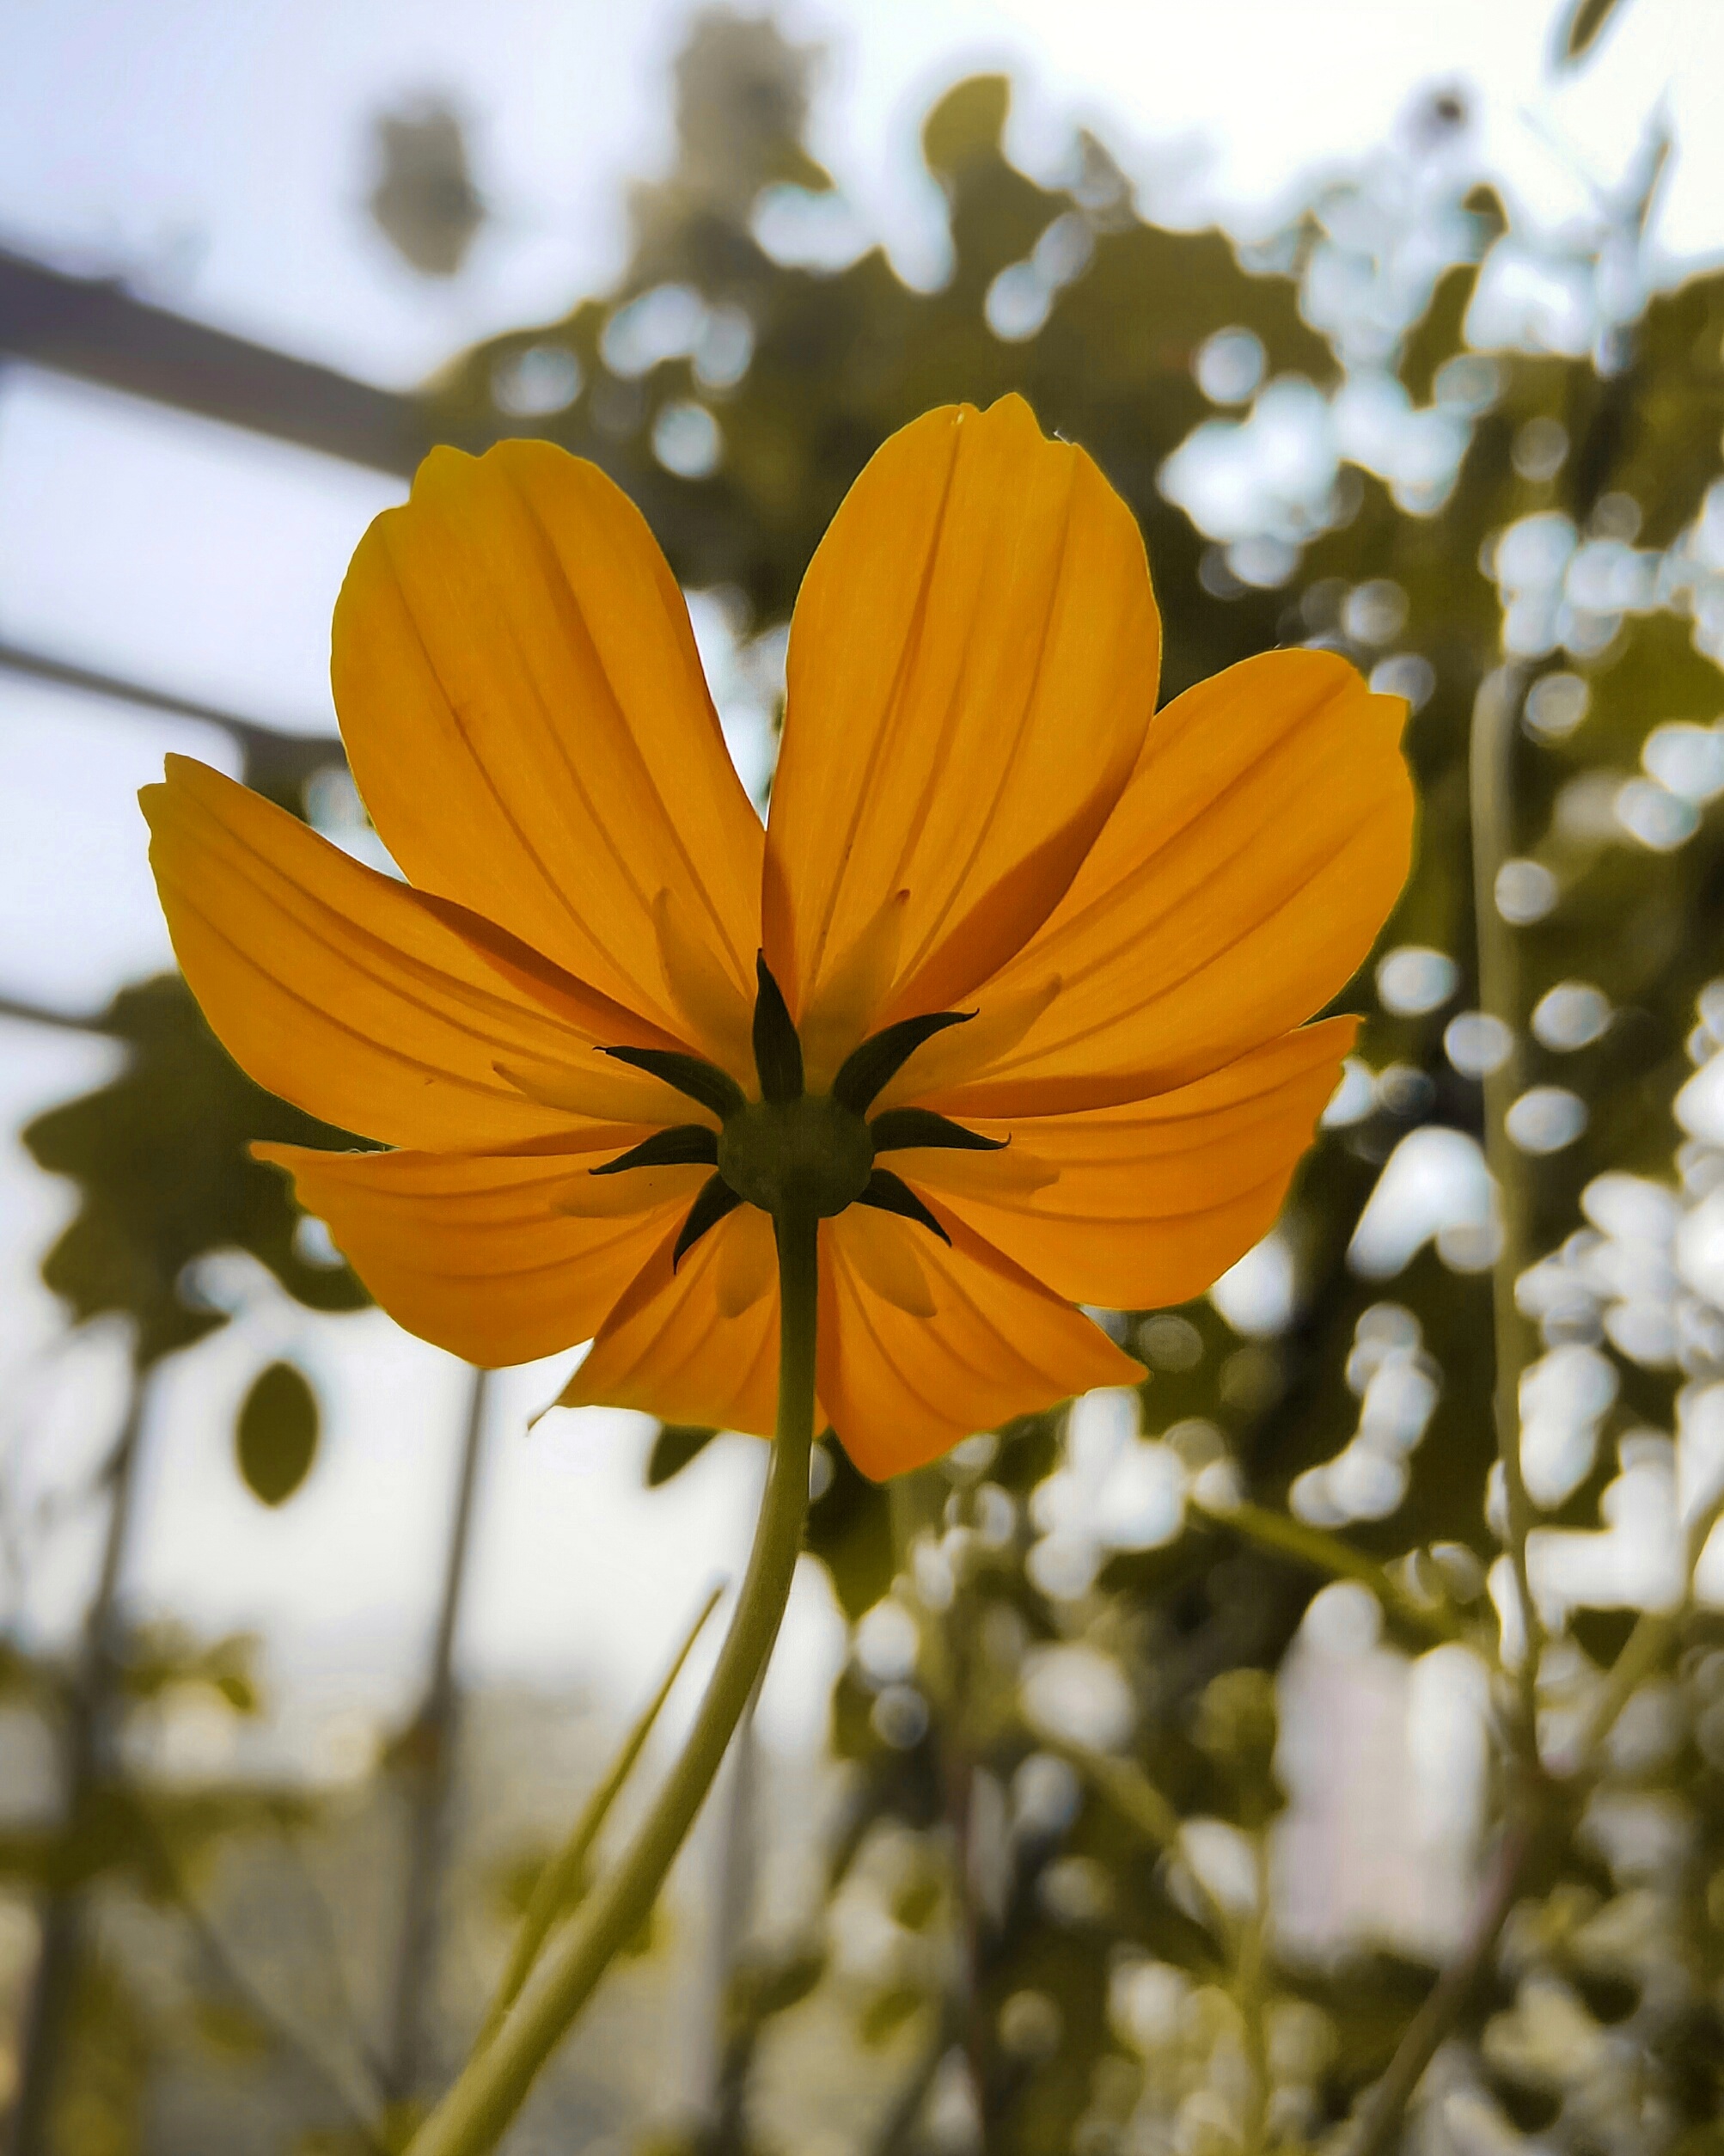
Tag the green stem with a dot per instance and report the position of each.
(92, 1706)
(1142, 1805)
(1491, 774)
(425, 1770)
(349, 2082)
(492, 2085)
(1380, 2124)
(1127, 1788)
(1654, 1633)
(1326, 1553)
(563, 1882)
(1251, 1973)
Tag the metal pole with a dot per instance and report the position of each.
(427, 1770)
(94, 329)
(274, 756)
(722, 2048)
(88, 1763)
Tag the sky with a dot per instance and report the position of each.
(217, 157)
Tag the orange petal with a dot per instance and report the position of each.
(470, 1251)
(855, 987)
(748, 1261)
(529, 724)
(962, 1053)
(972, 668)
(705, 996)
(668, 1350)
(594, 1085)
(881, 1249)
(1238, 886)
(335, 988)
(1007, 1176)
(590, 1196)
(1153, 1201)
(902, 1389)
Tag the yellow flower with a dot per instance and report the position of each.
(605, 1001)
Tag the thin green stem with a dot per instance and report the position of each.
(491, 2088)
(1127, 1788)
(1326, 1553)
(1380, 2122)
(1654, 1633)
(91, 1707)
(349, 2082)
(425, 1771)
(1542, 1796)
(563, 1881)
(895, 2132)
(1249, 1975)
(1491, 772)
(1137, 1800)
(917, 1503)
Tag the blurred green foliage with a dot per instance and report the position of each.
(839, 359)
(1047, 1935)
(160, 1158)
(275, 1438)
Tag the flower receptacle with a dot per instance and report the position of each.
(808, 1155)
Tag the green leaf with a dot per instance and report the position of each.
(916, 1903)
(1437, 336)
(231, 2029)
(675, 1445)
(1586, 24)
(781, 1985)
(850, 1531)
(887, 2012)
(160, 1158)
(275, 1438)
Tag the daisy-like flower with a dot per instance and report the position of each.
(1003, 1012)
(1009, 993)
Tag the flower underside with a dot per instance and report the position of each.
(793, 1152)
(980, 811)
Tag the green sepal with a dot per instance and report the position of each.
(866, 1069)
(713, 1200)
(888, 1193)
(703, 1082)
(684, 1145)
(896, 1128)
(778, 1051)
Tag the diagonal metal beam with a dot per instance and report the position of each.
(63, 1021)
(276, 761)
(94, 329)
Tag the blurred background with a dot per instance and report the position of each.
(1119, 1785)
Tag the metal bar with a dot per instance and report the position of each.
(41, 1014)
(272, 754)
(428, 1776)
(88, 1740)
(94, 329)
